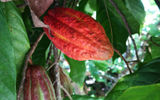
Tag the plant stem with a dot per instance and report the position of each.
(124, 60)
(69, 96)
(28, 56)
(127, 27)
(58, 88)
(57, 74)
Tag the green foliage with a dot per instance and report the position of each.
(147, 74)
(154, 44)
(147, 92)
(18, 33)
(83, 97)
(113, 24)
(141, 85)
(82, 5)
(136, 8)
(39, 55)
(101, 65)
(96, 66)
(154, 31)
(78, 70)
(14, 45)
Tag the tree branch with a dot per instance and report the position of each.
(123, 59)
(28, 56)
(57, 73)
(127, 27)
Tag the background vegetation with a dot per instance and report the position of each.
(137, 40)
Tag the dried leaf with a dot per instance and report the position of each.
(39, 6)
(37, 22)
(65, 82)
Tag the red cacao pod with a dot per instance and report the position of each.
(77, 35)
(37, 85)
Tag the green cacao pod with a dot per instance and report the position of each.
(77, 35)
(37, 85)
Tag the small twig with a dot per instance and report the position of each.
(28, 56)
(127, 27)
(156, 44)
(56, 61)
(69, 96)
(124, 60)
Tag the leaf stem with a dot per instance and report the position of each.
(127, 27)
(28, 56)
(123, 59)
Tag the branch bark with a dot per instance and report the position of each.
(26, 64)
(57, 74)
(127, 27)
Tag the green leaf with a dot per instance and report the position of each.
(148, 56)
(101, 65)
(154, 30)
(148, 92)
(95, 67)
(136, 8)
(113, 24)
(39, 55)
(82, 5)
(7, 63)
(83, 97)
(147, 74)
(78, 70)
(92, 4)
(94, 71)
(17, 31)
(154, 44)
(14, 45)
(85, 6)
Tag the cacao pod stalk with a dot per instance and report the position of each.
(37, 84)
(77, 35)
